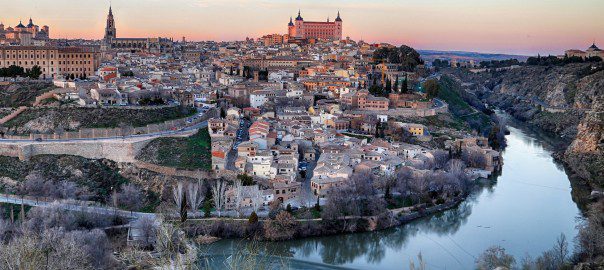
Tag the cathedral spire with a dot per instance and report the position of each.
(299, 18)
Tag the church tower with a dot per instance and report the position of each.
(110, 32)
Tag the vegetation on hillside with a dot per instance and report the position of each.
(185, 153)
(50, 120)
(450, 91)
(406, 56)
(22, 94)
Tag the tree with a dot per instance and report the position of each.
(283, 227)
(431, 87)
(207, 208)
(54, 249)
(395, 86)
(147, 228)
(194, 195)
(407, 57)
(219, 194)
(253, 219)
(246, 179)
(180, 200)
(238, 188)
(34, 72)
(405, 85)
(494, 257)
(130, 197)
(257, 199)
(388, 88)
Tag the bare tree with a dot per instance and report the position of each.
(441, 157)
(560, 250)
(178, 193)
(493, 258)
(474, 158)
(194, 195)
(148, 229)
(238, 188)
(130, 197)
(256, 198)
(219, 194)
(67, 189)
(53, 249)
(180, 199)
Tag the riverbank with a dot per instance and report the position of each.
(524, 210)
(215, 228)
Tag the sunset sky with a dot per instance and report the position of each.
(503, 26)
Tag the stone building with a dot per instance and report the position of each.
(152, 45)
(301, 29)
(54, 61)
(31, 34)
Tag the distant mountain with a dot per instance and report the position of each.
(430, 55)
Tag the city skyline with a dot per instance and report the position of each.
(514, 27)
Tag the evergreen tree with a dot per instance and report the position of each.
(253, 219)
(183, 209)
(395, 86)
(388, 86)
(34, 72)
(404, 85)
(207, 208)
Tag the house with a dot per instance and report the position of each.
(286, 190)
(108, 96)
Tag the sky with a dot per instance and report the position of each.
(493, 26)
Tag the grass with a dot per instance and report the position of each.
(185, 153)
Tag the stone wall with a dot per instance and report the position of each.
(116, 150)
(98, 133)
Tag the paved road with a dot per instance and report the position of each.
(149, 135)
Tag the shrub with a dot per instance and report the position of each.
(283, 227)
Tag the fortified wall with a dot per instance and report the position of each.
(116, 150)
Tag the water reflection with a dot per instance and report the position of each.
(524, 209)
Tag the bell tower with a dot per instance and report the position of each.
(110, 32)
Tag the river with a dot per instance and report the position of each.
(523, 210)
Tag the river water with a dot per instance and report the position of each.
(523, 210)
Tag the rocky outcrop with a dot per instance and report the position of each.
(565, 101)
(585, 155)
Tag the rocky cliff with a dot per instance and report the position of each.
(566, 101)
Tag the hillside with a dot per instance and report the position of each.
(184, 153)
(50, 120)
(566, 101)
(22, 94)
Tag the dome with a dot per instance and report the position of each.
(20, 25)
(291, 23)
(31, 23)
(311, 110)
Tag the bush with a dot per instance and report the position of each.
(253, 218)
(283, 227)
